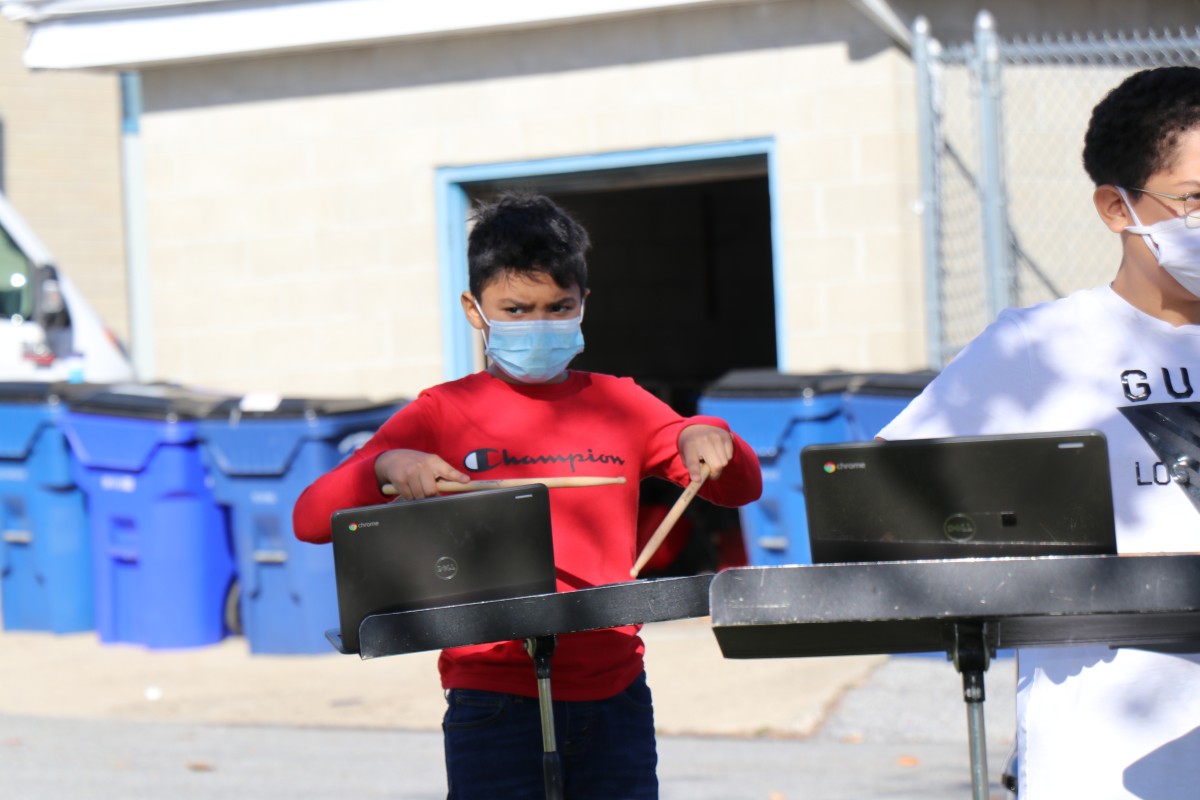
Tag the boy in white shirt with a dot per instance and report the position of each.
(1094, 721)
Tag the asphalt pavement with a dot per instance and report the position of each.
(55, 759)
(79, 719)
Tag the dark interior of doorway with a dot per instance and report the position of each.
(681, 281)
(682, 292)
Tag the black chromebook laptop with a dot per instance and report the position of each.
(440, 551)
(962, 497)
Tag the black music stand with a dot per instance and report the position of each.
(536, 619)
(967, 607)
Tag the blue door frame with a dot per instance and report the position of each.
(452, 208)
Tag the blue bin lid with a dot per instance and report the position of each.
(26, 392)
(158, 401)
(290, 408)
(263, 436)
(44, 392)
(903, 384)
(772, 383)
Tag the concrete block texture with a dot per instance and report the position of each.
(320, 167)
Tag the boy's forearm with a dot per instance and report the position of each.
(351, 484)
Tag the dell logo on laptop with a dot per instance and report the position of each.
(445, 568)
(959, 528)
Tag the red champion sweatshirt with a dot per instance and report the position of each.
(589, 424)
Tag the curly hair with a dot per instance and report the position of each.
(1134, 131)
(523, 232)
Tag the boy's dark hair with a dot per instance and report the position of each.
(1135, 129)
(522, 232)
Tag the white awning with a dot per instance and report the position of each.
(37, 10)
(132, 34)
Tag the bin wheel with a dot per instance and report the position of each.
(233, 608)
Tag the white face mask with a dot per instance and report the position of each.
(1174, 244)
(533, 351)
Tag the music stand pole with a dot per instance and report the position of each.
(540, 649)
(970, 651)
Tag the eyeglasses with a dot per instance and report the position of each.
(1191, 205)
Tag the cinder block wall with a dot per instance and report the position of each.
(291, 198)
(62, 170)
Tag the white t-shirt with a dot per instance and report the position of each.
(1093, 722)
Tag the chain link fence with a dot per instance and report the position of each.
(1009, 218)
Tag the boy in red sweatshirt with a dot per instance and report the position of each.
(528, 415)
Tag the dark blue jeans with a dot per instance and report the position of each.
(494, 746)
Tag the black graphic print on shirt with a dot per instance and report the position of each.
(485, 458)
(1173, 432)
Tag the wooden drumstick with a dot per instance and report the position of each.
(664, 527)
(507, 483)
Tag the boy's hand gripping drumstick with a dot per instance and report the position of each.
(506, 483)
(664, 527)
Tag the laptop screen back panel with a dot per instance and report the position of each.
(1038, 494)
(440, 551)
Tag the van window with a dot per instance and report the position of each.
(16, 281)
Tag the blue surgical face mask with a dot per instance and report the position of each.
(533, 351)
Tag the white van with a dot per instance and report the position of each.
(48, 332)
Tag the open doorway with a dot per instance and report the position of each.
(681, 276)
(683, 290)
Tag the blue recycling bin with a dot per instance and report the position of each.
(260, 461)
(779, 414)
(45, 547)
(161, 549)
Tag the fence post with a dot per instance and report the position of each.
(931, 208)
(999, 283)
